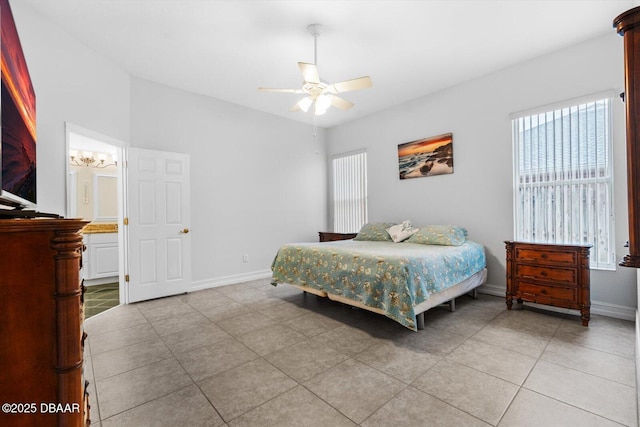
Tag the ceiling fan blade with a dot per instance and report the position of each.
(354, 84)
(268, 89)
(309, 72)
(340, 103)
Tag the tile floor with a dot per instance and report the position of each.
(99, 298)
(255, 355)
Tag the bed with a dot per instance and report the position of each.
(400, 280)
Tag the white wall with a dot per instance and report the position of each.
(256, 180)
(479, 194)
(74, 84)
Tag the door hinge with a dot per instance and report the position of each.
(125, 221)
(126, 277)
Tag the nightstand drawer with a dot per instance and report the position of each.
(553, 257)
(545, 292)
(563, 275)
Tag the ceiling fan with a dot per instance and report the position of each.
(321, 95)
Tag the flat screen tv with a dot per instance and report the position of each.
(18, 110)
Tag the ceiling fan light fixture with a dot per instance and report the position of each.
(305, 103)
(323, 102)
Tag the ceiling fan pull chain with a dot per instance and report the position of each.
(315, 133)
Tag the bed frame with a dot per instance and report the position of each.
(449, 296)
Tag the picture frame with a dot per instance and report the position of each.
(426, 157)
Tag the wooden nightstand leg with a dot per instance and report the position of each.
(509, 302)
(585, 315)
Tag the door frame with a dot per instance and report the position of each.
(120, 150)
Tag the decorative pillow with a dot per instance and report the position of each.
(374, 231)
(402, 231)
(446, 235)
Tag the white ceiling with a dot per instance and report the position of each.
(226, 49)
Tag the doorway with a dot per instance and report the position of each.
(94, 193)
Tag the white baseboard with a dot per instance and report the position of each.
(229, 280)
(101, 281)
(597, 307)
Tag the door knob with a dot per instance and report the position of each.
(185, 231)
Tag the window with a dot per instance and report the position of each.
(563, 175)
(349, 176)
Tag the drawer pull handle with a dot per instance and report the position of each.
(543, 273)
(543, 256)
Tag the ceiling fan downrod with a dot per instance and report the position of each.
(314, 30)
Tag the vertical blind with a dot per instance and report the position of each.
(349, 192)
(564, 178)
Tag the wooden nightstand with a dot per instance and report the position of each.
(326, 236)
(556, 275)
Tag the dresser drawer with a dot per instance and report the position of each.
(545, 292)
(563, 275)
(540, 255)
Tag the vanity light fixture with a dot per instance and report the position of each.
(90, 159)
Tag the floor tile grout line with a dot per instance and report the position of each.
(133, 369)
(571, 405)
(197, 383)
(95, 382)
(524, 381)
(143, 403)
(538, 360)
(141, 341)
(588, 348)
(455, 407)
(298, 383)
(584, 373)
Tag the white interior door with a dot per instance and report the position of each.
(159, 242)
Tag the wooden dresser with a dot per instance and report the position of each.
(41, 323)
(628, 25)
(556, 275)
(327, 236)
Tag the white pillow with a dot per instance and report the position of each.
(402, 231)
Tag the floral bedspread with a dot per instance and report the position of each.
(393, 277)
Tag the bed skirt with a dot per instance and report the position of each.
(434, 300)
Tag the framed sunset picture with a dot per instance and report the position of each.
(426, 157)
